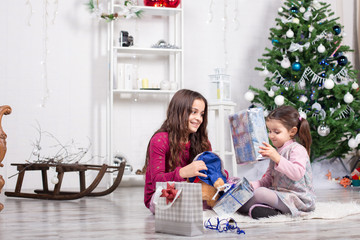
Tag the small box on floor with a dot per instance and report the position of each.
(248, 130)
(234, 198)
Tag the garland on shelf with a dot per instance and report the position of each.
(128, 10)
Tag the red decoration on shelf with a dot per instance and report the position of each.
(170, 192)
(162, 3)
(154, 3)
(172, 3)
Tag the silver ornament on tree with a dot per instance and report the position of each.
(355, 86)
(323, 130)
(303, 99)
(348, 97)
(279, 100)
(321, 48)
(290, 33)
(352, 143)
(285, 63)
(271, 93)
(329, 83)
(249, 96)
(316, 106)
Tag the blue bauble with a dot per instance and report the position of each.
(274, 41)
(342, 60)
(296, 66)
(337, 29)
(294, 9)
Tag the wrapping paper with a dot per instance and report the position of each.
(248, 130)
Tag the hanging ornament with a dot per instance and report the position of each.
(352, 143)
(348, 98)
(311, 28)
(302, 84)
(274, 41)
(321, 48)
(266, 113)
(303, 99)
(357, 138)
(279, 100)
(342, 60)
(280, 10)
(337, 29)
(296, 66)
(296, 20)
(302, 9)
(323, 130)
(316, 4)
(302, 114)
(355, 86)
(249, 96)
(329, 83)
(285, 63)
(307, 15)
(54, 180)
(264, 72)
(294, 9)
(271, 93)
(290, 33)
(316, 106)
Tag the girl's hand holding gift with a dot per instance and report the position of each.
(268, 151)
(193, 170)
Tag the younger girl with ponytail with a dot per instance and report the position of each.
(286, 187)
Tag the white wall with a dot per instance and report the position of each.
(77, 71)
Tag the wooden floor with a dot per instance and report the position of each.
(122, 215)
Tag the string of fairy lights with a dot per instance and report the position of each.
(47, 17)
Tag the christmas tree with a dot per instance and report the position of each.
(307, 68)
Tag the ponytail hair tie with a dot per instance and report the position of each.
(300, 118)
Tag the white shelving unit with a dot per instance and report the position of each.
(166, 63)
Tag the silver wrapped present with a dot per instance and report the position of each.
(234, 198)
(248, 130)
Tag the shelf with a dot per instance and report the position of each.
(137, 50)
(156, 11)
(145, 91)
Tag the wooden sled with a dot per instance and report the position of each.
(57, 194)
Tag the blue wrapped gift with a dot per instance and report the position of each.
(248, 130)
(234, 198)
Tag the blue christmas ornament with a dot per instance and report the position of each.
(337, 29)
(296, 66)
(294, 9)
(274, 41)
(323, 75)
(342, 60)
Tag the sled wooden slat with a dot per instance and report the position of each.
(61, 169)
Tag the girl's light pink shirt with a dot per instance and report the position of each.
(294, 168)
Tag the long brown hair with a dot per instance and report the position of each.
(290, 118)
(176, 125)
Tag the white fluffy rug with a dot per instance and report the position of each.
(324, 210)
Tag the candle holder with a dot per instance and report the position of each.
(220, 85)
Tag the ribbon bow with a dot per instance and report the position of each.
(169, 193)
(295, 46)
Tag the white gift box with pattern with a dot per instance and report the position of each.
(184, 215)
(248, 130)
